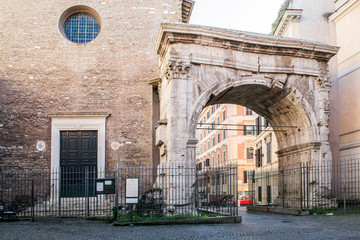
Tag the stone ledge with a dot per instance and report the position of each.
(299, 148)
(277, 210)
(100, 218)
(214, 220)
(79, 115)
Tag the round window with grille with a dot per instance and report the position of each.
(80, 24)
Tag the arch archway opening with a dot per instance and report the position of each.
(233, 136)
(283, 109)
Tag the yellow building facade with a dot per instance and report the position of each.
(335, 23)
(266, 182)
(346, 18)
(226, 136)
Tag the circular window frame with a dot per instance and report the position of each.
(78, 9)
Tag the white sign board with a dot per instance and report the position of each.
(132, 190)
(99, 186)
(132, 200)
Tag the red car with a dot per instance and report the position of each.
(246, 200)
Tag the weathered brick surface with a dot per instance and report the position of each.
(41, 73)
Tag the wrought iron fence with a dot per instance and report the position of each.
(218, 189)
(164, 193)
(53, 193)
(175, 193)
(319, 187)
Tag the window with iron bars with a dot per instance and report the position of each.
(259, 157)
(248, 130)
(258, 125)
(248, 111)
(207, 162)
(268, 152)
(268, 194)
(259, 194)
(266, 123)
(249, 153)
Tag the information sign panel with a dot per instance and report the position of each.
(132, 190)
(105, 186)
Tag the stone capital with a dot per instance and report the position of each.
(177, 70)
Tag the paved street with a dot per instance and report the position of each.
(254, 226)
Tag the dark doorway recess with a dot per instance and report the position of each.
(78, 163)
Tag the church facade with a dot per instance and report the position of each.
(75, 81)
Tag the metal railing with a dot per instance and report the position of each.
(218, 189)
(176, 193)
(68, 192)
(164, 193)
(310, 186)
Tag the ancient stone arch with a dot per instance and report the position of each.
(285, 80)
(282, 79)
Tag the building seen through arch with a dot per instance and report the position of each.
(225, 135)
(265, 187)
(232, 134)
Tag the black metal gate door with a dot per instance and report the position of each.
(78, 163)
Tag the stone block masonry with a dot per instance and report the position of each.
(284, 80)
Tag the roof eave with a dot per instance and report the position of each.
(187, 7)
(288, 16)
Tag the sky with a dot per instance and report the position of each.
(245, 15)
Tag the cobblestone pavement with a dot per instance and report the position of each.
(254, 226)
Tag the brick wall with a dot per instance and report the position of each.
(42, 73)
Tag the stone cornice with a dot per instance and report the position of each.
(343, 9)
(241, 41)
(298, 148)
(154, 82)
(191, 143)
(288, 16)
(79, 115)
(348, 146)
